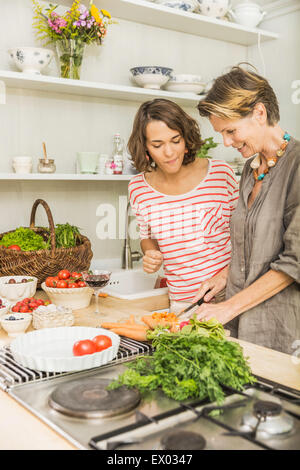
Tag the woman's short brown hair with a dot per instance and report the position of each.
(235, 94)
(175, 118)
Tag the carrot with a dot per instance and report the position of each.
(109, 325)
(133, 333)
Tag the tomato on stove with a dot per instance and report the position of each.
(84, 346)
(102, 342)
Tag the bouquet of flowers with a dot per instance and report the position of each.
(70, 32)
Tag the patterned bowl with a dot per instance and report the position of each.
(31, 59)
(184, 5)
(213, 8)
(152, 77)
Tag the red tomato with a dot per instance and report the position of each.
(72, 285)
(163, 282)
(102, 342)
(85, 346)
(14, 247)
(81, 284)
(64, 274)
(184, 323)
(62, 284)
(15, 308)
(39, 301)
(51, 281)
(76, 275)
(24, 309)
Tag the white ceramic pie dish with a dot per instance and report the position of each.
(51, 349)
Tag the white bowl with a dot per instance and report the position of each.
(51, 349)
(18, 326)
(31, 59)
(214, 8)
(186, 78)
(151, 77)
(22, 167)
(16, 292)
(75, 298)
(185, 87)
(5, 307)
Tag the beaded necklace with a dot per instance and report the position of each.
(255, 164)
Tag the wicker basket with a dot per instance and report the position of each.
(44, 263)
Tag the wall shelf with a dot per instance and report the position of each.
(93, 89)
(62, 177)
(152, 14)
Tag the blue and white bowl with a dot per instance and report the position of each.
(152, 77)
(31, 59)
(184, 5)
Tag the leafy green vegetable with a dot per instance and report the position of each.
(66, 236)
(26, 238)
(208, 144)
(188, 365)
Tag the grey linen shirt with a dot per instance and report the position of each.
(264, 237)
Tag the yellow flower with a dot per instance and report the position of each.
(106, 13)
(95, 13)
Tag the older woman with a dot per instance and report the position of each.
(263, 293)
(183, 203)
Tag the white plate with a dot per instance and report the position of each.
(51, 349)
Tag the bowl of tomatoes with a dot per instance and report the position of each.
(68, 289)
(65, 349)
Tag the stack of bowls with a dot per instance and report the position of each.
(185, 83)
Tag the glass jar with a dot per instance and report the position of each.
(46, 166)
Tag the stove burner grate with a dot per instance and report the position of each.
(89, 398)
(265, 409)
(183, 440)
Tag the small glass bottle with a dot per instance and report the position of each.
(118, 154)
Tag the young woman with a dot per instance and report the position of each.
(183, 203)
(263, 286)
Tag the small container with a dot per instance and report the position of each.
(101, 164)
(52, 316)
(87, 162)
(46, 165)
(22, 164)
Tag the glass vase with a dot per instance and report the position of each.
(70, 54)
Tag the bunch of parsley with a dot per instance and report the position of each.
(189, 366)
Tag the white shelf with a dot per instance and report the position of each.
(145, 12)
(62, 177)
(94, 89)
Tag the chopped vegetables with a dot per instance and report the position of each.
(164, 316)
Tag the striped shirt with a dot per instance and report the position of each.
(192, 229)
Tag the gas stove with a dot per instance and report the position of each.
(79, 407)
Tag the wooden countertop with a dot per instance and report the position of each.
(16, 420)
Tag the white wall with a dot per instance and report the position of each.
(70, 123)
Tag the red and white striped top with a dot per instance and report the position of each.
(192, 229)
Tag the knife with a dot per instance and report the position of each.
(199, 302)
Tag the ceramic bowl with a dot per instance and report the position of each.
(31, 59)
(247, 14)
(214, 8)
(152, 77)
(76, 298)
(15, 323)
(4, 307)
(186, 83)
(51, 349)
(19, 290)
(184, 5)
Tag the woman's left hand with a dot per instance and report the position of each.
(220, 311)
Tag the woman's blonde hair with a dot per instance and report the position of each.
(175, 118)
(235, 94)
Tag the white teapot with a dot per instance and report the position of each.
(247, 14)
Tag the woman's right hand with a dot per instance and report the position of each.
(212, 286)
(152, 261)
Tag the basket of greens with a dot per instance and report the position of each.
(43, 252)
